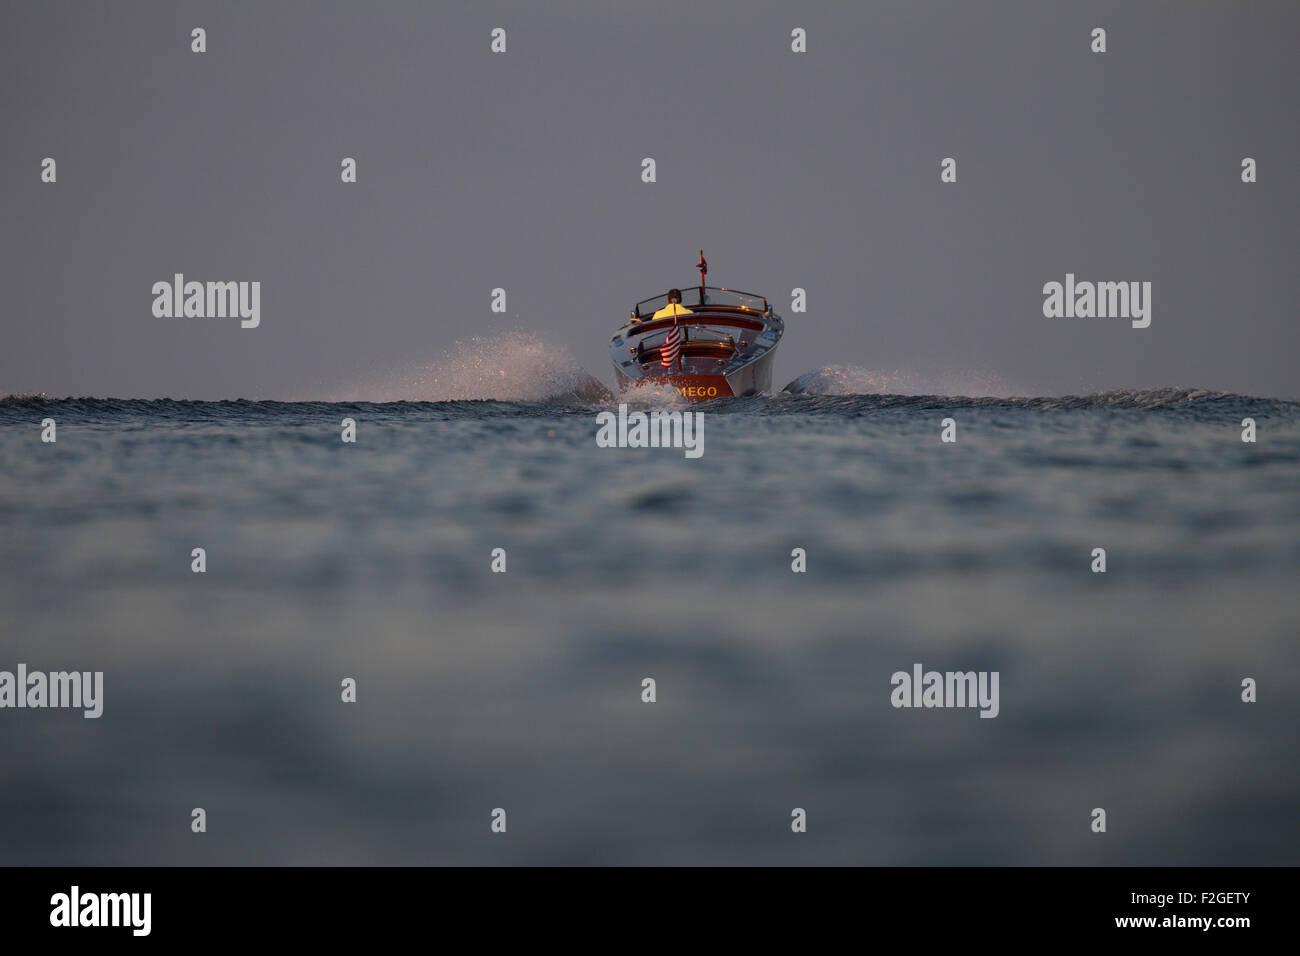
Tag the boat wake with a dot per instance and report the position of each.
(515, 366)
(652, 395)
(854, 380)
(835, 384)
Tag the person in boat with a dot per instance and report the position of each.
(674, 306)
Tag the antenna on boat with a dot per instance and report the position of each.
(703, 266)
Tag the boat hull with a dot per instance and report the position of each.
(752, 379)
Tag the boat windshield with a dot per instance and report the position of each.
(695, 296)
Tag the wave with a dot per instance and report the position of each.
(519, 367)
(20, 409)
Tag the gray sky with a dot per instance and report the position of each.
(522, 170)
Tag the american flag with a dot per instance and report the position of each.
(672, 346)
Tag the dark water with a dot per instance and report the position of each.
(523, 690)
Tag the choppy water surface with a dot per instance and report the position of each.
(523, 690)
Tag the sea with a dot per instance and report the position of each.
(472, 636)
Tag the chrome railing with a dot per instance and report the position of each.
(703, 296)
